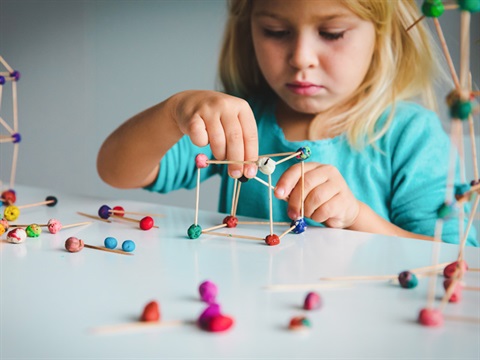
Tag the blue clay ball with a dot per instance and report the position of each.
(128, 246)
(110, 242)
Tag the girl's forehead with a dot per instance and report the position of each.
(319, 10)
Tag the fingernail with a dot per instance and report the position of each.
(251, 172)
(292, 214)
(280, 192)
(236, 174)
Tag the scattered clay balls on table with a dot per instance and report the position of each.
(211, 319)
(16, 236)
(73, 244)
(33, 230)
(312, 301)
(110, 242)
(407, 280)
(430, 317)
(128, 246)
(208, 291)
(151, 312)
(299, 323)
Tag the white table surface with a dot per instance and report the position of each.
(50, 299)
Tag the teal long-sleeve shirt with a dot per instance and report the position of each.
(403, 178)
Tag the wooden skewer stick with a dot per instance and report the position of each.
(76, 224)
(296, 287)
(94, 217)
(108, 250)
(471, 288)
(134, 213)
(197, 197)
(287, 231)
(289, 157)
(446, 53)
(36, 204)
(136, 326)
(230, 162)
(233, 235)
(417, 271)
(415, 23)
(262, 223)
(278, 154)
(214, 227)
(462, 318)
(129, 219)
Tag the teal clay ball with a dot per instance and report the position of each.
(194, 231)
(461, 110)
(469, 5)
(445, 211)
(128, 246)
(110, 242)
(432, 8)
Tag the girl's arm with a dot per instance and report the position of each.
(130, 156)
(368, 220)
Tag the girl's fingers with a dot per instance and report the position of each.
(250, 140)
(197, 131)
(234, 144)
(289, 179)
(319, 201)
(216, 137)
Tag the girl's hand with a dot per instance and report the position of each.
(223, 121)
(328, 198)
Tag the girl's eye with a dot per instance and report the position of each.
(332, 35)
(275, 33)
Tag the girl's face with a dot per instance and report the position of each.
(313, 54)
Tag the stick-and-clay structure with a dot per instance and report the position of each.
(266, 165)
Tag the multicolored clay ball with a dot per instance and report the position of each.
(9, 197)
(146, 223)
(151, 312)
(128, 246)
(299, 323)
(73, 244)
(211, 319)
(208, 291)
(16, 236)
(33, 230)
(54, 226)
(312, 301)
(110, 242)
(407, 280)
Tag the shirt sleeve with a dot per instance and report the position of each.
(422, 155)
(178, 169)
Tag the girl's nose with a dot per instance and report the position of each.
(304, 53)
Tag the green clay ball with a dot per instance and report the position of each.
(33, 230)
(445, 211)
(469, 5)
(194, 231)
(433, 8)
(461, 110)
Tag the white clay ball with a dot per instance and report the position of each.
(266, 165)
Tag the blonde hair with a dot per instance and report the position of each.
(404, 66)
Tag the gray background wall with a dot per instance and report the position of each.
(89, 65)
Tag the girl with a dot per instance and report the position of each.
(332, 75)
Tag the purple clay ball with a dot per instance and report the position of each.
(104, 211)
(16, 138)
(208, 291)
(312, 301)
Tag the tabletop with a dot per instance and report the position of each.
(53, 303)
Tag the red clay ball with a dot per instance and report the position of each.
(151, 312)
(119, 211)
(146, 223)
(430, 317)
(230, 221)
(450, 268)
(272, 240)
